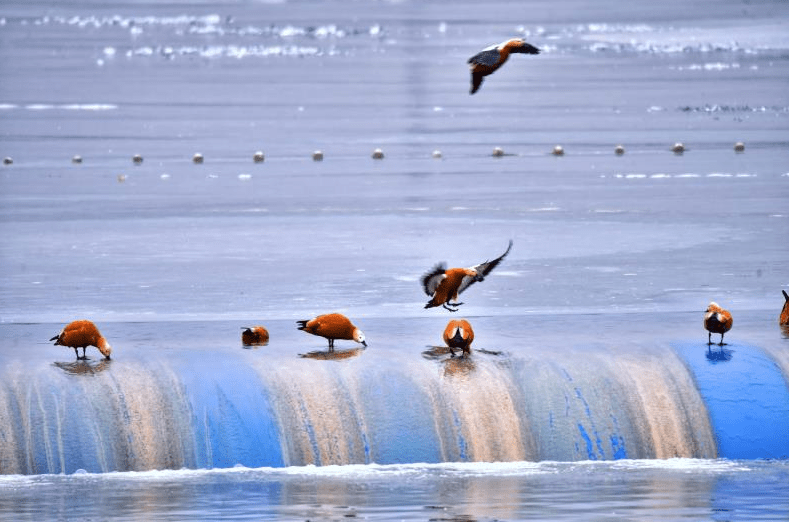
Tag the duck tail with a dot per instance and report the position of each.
(302, 324)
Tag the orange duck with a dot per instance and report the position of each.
(459, 334)
(444, 284)
(490, 59)
(333, 326)
(81, 334)
(784, 319)
(254, 336)
(717, 320)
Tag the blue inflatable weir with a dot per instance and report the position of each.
(220, 408)
(747, 397)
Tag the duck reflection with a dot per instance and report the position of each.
(334, 355)
(458, 367)
(720, 355)
(84, 366)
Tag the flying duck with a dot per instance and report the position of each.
(490, 59)
(444, 284)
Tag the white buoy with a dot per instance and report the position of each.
(558, 151)
(137, 159)
(437, 154)
(619, 150)
(76, 159)
(197, 158)
(378, 154)
(8, 160)
(497, 152)
(317, 155)
(678, 148)
(739, 147)
(259, 157)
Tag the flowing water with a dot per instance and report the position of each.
(590, 393)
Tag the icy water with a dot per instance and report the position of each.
(591, 393)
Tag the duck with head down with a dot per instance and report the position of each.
(459, 334)
(81, 334)
(332, 327)
(254, 336)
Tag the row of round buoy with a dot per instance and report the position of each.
(378, 154)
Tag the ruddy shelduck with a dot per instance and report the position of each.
(490, 59)
(444, 284)
(717, 320)
(333, 326)
(784, 319)
(81, 334)
(254, 336)
(459, 334)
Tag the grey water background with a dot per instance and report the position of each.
(170, 258)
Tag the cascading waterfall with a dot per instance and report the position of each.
(220, 410)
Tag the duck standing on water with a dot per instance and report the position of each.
(254, 336)
(333, 326)
(717, 320)
(444, 284)
(459, 334)
(81, 334)
(490, 59)
(783, 320)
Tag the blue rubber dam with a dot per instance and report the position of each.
(227, 409)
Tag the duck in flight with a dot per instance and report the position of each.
(444, 284)
(490, 59)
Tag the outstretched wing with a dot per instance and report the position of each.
(432, 279)
(528, 48)
(476, 81)
(489, 57)
(465, 283)
(483, 269)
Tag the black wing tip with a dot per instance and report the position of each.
(529, 48)
(302, 324)
(476, 82)
(786, 296)
(440, 268)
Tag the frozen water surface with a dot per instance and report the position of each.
(597, 309)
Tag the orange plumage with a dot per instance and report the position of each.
(445, 284)
(459, 334)
(784, 319)
(717, 320)
(81, 334)
(490, 59)
(254, 336)
(333, 326)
